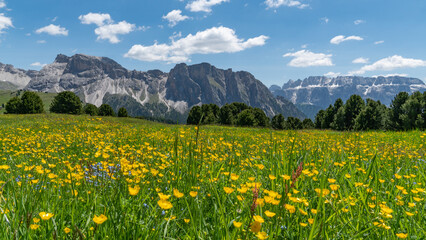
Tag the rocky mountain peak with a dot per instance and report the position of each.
(61, 58)
(90, 66)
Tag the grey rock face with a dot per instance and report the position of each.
(98, 80)
(15, 76)
(323, 91)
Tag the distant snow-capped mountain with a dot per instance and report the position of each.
(314, 93)
(323, 91)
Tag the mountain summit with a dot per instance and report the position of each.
(153, 93)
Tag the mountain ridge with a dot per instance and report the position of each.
(320, 91)
(155, 93)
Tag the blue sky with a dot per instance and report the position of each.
(276, 40)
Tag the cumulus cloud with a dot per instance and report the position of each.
(359, 21)
(340, 38)
(174, 17)
(360, 60)
(288, 3)
(203, 5)
(107, 29)
(332, 74)
(2, 4)
(391, 63)
(306, 58)
(5, 22)
(41, 41)
(95, 18)
(213, 40)
(379, 42)
(53, 30)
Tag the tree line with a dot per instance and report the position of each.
(240, 114)
(406, 112)
(65, 102)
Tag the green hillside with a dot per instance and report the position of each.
(5, 95)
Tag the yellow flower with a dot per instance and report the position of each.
(303, 224)
(262, 235)
(334, 187)
(67, 230)
(134, 191)
(177, 194)
(186, 220)
(234, 176)
(409, 214)
(258, 219)
(228, 190)
(331, 180)
(347, 175)
(303, 212)
(36, 220)
(311, 221)
(237, 224)
(314, 211)
(272, 177)
(255, 227)
(163, 196)
(402, 235)
(286, 177)
(34, 226)
(164, 204)
(170, 218)
(269, 214)
(290, 208)
(193, 193)
(100, 219)
(45, 216)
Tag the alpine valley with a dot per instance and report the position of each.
(154, 93)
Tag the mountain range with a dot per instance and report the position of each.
(315, 93)
(153, 93)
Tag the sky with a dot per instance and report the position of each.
(275, 40)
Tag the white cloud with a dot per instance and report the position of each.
(359, 21)
(332, 74)
(360, 60)
(38, 64)
(203, 5)
(288, 3)
(110, 31)
(340, 38)
(304, 46)
(174, 17)
(392, 75)
(213, 40)
(379, 42)
(391, 63)
(325, 19)
(107, 29)
(2, 4)
(95, 18)
(5, 22)
(306, 58)
(41, 41)
(53, 30)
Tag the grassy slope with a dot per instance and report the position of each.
(5, 95)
